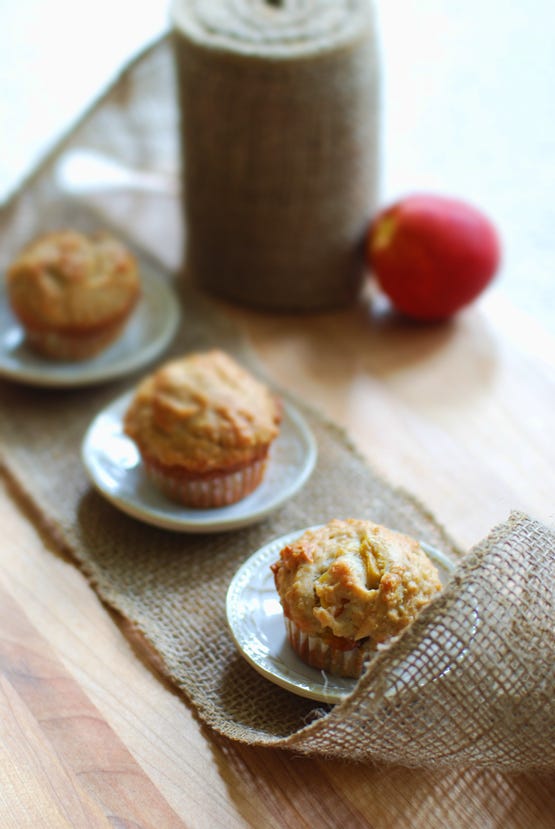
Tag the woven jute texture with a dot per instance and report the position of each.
(471, 683)
(281, 142)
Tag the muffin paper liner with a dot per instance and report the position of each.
(318, 653)
(59, 346)
(217, 491)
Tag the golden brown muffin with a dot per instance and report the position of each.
(349, 586)
(72, 293)
(203, 426)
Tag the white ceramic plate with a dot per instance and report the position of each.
(148, 332)
(255, 618)
(114, 465)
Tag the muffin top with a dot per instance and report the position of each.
(203, 412)
(67, 281)
(354, 579)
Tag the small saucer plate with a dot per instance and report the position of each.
(114, 467)
(149, 331)
(255, 618)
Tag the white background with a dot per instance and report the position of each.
(55, 58)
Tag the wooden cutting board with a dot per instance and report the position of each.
(61, 764)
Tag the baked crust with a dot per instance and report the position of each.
(73, 284)
(202, 414)
(354, 580)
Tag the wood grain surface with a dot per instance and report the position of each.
(458, 413)
(62, 764)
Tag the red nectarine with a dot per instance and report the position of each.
(432, 255)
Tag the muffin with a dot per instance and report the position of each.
(203, 426)
(72, 293)
(348, 587)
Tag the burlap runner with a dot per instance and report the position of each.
(281, 130)
(472, 682)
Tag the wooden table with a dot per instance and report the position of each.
(459, 414)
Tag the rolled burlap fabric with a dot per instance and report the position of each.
(279, 127)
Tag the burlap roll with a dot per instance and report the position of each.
(279, 110)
